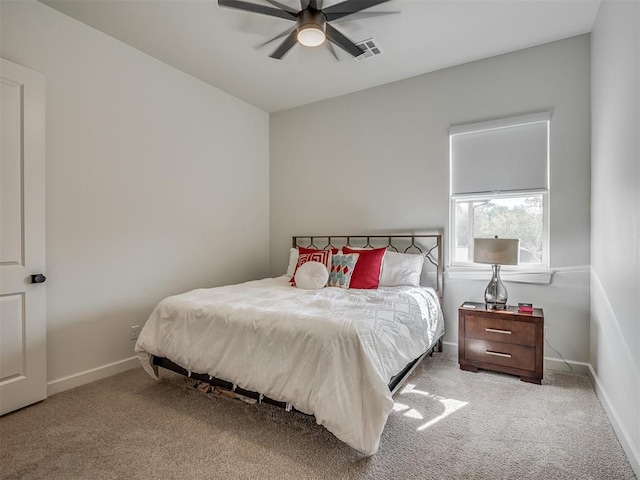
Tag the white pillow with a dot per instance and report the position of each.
(312, 276)
(401, 269)
(293, 261)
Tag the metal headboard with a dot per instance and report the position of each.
(429, 243)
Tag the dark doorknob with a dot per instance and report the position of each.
(38, 278)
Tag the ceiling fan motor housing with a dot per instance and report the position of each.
(310, 20)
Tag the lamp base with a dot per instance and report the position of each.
(495, 296)
(497, 306)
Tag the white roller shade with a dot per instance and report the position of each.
(504, 155)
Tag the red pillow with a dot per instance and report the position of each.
(366, 273)
(322, 256)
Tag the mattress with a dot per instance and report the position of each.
(329, 352)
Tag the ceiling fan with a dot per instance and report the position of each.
(312, 26)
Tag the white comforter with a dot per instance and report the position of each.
(330, 352)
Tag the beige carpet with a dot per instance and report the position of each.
(447, 424)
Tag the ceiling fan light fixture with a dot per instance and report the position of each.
(311, 35)
(312, 26)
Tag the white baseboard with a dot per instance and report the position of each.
(618, 426)
(450, 347)
(579, 368)
(88, 376)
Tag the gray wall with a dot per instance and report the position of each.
(153, 186)
(615, 221)
(378, 161)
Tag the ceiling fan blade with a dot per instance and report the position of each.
(286, 32)
(252, 7)
(304, 4)
(348, 7)
(332, 50)
(315, 4)
(285, 46)
(282, 6)
(343, 42)
(357, 16)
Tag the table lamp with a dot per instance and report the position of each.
(496, 252)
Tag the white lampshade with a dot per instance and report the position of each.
(311, 35)
(496, 251)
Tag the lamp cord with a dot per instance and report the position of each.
(559, 354)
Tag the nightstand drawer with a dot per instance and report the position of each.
(500, 330)
(498, 353)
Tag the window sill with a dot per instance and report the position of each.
(532, 276)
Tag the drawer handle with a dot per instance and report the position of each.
(495, 330)
(498, 354)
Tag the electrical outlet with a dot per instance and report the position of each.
(546, 332)
(135, 331)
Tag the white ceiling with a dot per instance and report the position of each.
(221, 46)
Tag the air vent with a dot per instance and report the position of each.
(371, 49)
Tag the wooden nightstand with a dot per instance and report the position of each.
(501, 340)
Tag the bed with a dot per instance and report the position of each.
(338, 354)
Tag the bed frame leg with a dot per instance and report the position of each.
(436, 348)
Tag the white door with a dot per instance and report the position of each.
(23, 356)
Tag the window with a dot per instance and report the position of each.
(517, 215)
(499, 186)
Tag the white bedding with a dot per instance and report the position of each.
(330, 352)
